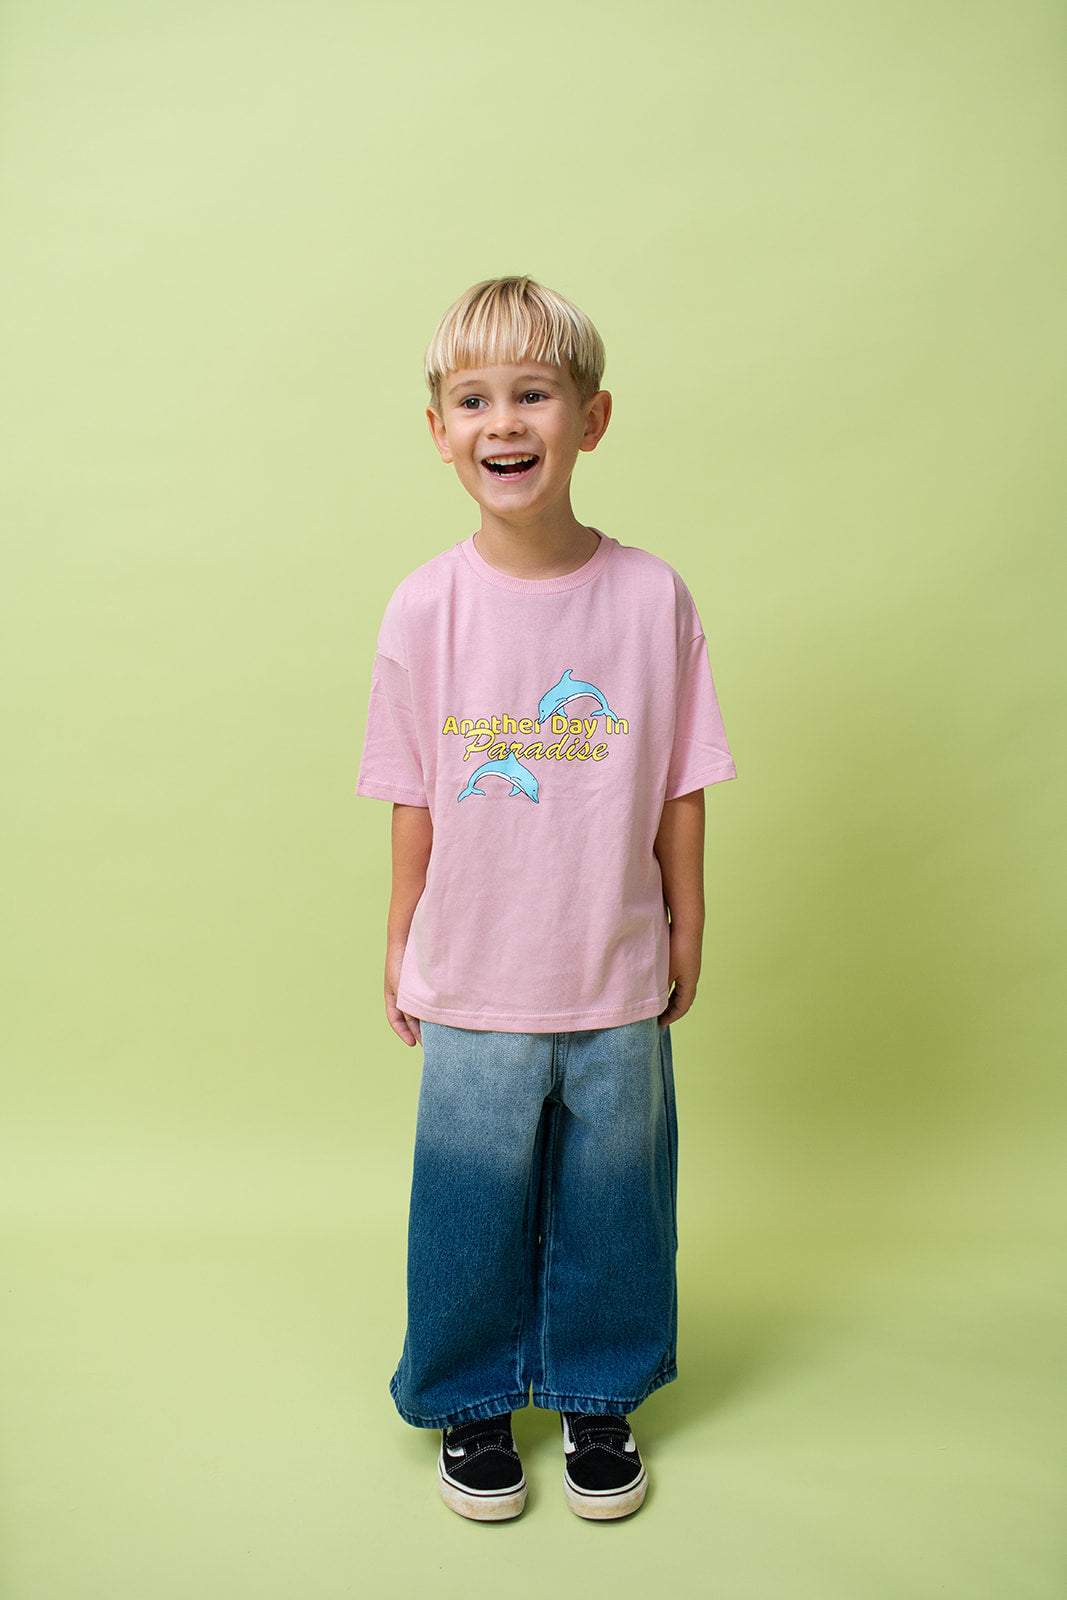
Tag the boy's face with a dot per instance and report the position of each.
(513, 434)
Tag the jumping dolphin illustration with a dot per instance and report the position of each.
(520, 777)
(569, 688)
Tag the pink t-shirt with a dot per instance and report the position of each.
(544, 722)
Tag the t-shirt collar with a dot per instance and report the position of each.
(571, 580)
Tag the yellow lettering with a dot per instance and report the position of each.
(534, 752)
(599, 751)
(582, 754)
(451, 725)
(480, 742)
(482, 726)
(574, 725)
(497, 752)
(622, 726)
(496, 725)
(466, 726)
(590, 727)
(554, 751)
(560, 725)
(508, 724)
(525, 725)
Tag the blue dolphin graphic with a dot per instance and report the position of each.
(522, 779)
(569, 688)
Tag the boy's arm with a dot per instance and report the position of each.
(412, 838)
(679, 848)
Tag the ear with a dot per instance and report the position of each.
(598, 411)
(437, 430)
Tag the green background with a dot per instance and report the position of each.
(825, 245)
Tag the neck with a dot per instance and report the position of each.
(536, 550)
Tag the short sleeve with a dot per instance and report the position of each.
(700, 754)
(391, 768)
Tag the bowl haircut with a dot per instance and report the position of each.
(508, 320)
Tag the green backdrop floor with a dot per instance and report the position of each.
(201, 1414)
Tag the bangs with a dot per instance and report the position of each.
(509, 320)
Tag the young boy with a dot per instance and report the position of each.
(544, 720)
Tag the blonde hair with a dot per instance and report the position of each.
(504, 320)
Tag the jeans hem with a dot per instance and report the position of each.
(602, 1405)
(494, 1407)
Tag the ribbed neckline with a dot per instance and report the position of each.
(571, 580)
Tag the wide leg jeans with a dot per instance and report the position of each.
(543, 1231)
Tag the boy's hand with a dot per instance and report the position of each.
(406, 1028)
(412, 843)
(683, 973)
(679, 850)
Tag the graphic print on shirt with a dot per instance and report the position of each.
(521, 778)
(572, 737)
(570, 688)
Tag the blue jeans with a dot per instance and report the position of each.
(543, 1231)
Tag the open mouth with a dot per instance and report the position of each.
(510, 466)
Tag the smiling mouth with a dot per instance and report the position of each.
(510, 466)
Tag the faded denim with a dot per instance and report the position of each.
(543, 1225)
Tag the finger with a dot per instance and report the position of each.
(415, 1026)
(398, 1022)
(677, 1006)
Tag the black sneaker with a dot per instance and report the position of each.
(480, 1471)
(604, 1475)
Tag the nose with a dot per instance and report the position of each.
(505, 420)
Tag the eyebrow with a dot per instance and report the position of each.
(528, 379)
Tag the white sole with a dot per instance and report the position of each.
(481, 1507)
(603, 1507)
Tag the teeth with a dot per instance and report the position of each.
(507, 461)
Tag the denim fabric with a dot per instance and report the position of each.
(543, 1231)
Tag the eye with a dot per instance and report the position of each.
(534, 394)
(469, 403)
